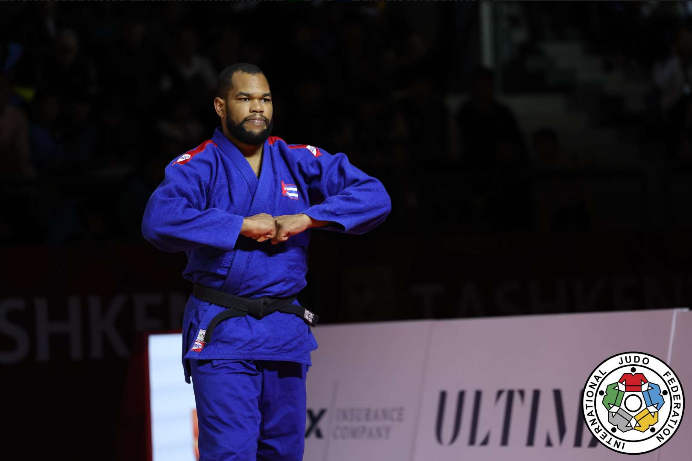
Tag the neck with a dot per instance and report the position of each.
(248, 150)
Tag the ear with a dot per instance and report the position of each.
(220, 107)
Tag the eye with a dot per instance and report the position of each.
(267, 100)
(244, 99)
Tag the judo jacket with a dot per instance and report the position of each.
(199, 209)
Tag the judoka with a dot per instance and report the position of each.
(241, 206)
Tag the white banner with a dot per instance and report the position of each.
(364, 390)
(513, 385)
(478, 389)
(680, 446)
(172, 402)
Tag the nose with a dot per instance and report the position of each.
(256, 107)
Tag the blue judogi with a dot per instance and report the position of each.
(199, 209)
(250, 410)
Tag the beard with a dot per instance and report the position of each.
(246, 136)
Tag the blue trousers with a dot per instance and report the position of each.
(250, 410)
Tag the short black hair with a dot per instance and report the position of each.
(224, 84)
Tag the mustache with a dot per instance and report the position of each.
(257, 118)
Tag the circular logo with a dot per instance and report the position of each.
(633, 403)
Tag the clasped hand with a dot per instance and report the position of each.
(263, 226)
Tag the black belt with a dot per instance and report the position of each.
(239, 307)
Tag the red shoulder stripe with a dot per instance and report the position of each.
(313, 150)
(273, 139)
(187, 156)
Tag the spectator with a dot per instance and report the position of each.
(673, 77)
(679, 140)
(170, 17)
(14, 137)
(371, 123)
(36, 30)
(560, 201)
(227, 48)
(313, 112)
(66, 70)
(80, 131)
(134, 68)
(47, 147)
(40, 25)
(358, 59)
(424, 115)
(547, 153)
(181, 130)
(136, 192)
(190, 74)
(546, 148)
(120, 143)
(486, 133)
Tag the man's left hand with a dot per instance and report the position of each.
(292, 224)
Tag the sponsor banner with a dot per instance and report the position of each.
(172, 402)
(363, 391)
(447, 390)
(495, 386)
(680, 446)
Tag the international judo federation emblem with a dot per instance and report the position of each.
(199, 342)
(633, 403)
(289, 190)
(183, 158)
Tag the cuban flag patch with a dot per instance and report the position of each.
(289, 190)
(199, 342)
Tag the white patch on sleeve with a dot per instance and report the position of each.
(314, 150)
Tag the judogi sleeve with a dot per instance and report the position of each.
(342, 194)
(176, 217)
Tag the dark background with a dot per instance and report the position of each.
(557, 182)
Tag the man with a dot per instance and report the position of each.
(241, 205)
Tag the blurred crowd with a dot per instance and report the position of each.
(652, 39)
(95, 101)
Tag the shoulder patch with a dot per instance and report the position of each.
(313, 150)
(273, 139)
(187, 156)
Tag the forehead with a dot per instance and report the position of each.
(249, 83)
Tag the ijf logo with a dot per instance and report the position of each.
(633, 403)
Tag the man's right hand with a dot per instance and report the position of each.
(259, 227)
